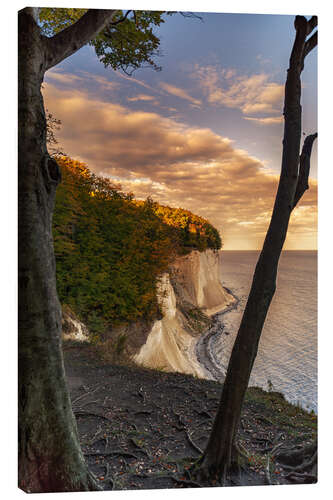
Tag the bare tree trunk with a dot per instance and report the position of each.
(50, 458)
(221, 454)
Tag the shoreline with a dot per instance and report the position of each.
(204, 353)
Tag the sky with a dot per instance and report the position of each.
(205, 133)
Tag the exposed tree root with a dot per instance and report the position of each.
(267, 472)
(80, 413)
(301, 462)
(85, 394)
(186, 482)
(208, 474)
(108, 476)
(297, 477)
(298, 455)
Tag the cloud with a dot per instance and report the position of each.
(141, 97)
(144, 98)
(102, 81)
(269, 120)
(64, 78)
(262, 59)
(134, 80)
(251, 94)
(181, 93)
(178, 165)
(82, 79)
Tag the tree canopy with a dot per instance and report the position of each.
(127, 43)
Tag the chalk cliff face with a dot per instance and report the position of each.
(196, 278)
(193, 285)
(188, 295)
(169, 346)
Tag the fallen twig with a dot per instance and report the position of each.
(196, 447)
(108, 476)
(267, 473)
(108, 453)
(87, 403)
(143, 412)
(204, 413)
(85, 394)
(142, 394)
(263, 419)
(81, 413)
(99, 431)
(276, 447)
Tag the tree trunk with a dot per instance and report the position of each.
(221, 454)
(50, 458)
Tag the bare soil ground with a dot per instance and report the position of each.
(142, 429)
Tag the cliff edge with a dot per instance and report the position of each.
(188, 295)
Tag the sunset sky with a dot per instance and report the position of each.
(205, 133)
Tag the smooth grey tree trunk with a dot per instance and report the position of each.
(50, 458)
(49, 453)
(221, 454)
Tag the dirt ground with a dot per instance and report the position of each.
(142, 429)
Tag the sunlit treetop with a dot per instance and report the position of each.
(128, 43)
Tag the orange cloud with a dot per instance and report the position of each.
(141, 97)
(84, 77)
(181, 93)
(178, 165)
(269, 120)
(66, 78)
(251, 94)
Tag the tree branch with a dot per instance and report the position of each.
(310, 44)
(121, 20)
(296, 57)
(68, 41)
(312, 23)
(191, 15)
(304, 169)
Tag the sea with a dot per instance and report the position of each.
(287, 356)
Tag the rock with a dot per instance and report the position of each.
(72, 327)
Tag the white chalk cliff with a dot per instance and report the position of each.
(198, 279)
(193, 280)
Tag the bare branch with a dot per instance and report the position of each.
(71, 39)
(312, 23)
(191, 15)
(121, 20)
(310, 44)
(304, 168)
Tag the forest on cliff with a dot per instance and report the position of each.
(110, 248)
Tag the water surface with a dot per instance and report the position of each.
(287, 355)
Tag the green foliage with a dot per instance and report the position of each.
(53, 20)
(128, 43)
(110, 248)
(53, 124)
(194, 232)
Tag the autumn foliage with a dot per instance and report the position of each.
(110, 248)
